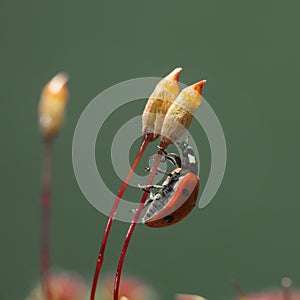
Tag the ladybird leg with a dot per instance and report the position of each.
(148, 170)
(147, 187)
(163, 150)
(133, 211)
(150, 200)
(154, 186)
(174, 159)
(143, 188)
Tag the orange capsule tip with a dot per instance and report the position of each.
(198, 86)
(174, 75)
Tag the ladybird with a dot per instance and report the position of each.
(176, 197)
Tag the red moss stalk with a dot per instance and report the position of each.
(100, 259)
(132, 227)
(45, 260)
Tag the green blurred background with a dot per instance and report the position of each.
(249, 54)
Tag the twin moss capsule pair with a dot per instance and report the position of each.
(168, 114)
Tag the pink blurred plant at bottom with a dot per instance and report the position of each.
(273, 295)
(130, 289)
(64, 286)
(286, 293)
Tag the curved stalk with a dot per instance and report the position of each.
(132, 227)
(145, 142)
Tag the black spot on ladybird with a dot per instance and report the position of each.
(185, 192)
(169, 219)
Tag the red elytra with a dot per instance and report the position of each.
(178, 194)
(179, 205)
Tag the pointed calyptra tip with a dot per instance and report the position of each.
(174, 75)
(198, 86)
(158, 104)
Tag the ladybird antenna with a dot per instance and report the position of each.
(146, 139)
(286, 284)
(132, 227)
(238, 288)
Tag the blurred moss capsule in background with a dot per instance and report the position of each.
(52, 105)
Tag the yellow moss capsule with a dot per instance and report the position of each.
(180, 113)
(52, 105)
(158, 104)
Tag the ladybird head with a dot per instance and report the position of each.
(189, 161)
(182, 145)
